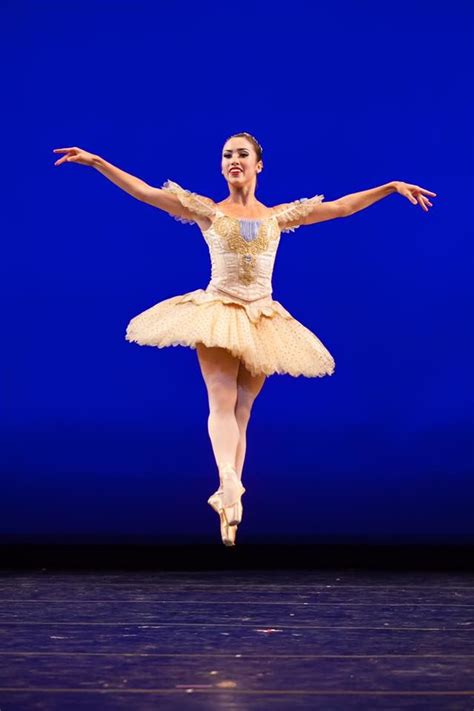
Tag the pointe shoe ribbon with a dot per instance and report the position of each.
(232, 489)
(233, 514)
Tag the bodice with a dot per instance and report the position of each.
(242, 253)
(242, 250)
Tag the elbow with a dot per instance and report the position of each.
(143, 193)
(344, 209)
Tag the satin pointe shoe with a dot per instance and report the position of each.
(228, 533)
(215, 501)
(232, 490)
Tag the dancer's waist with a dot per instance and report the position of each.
(238, 296)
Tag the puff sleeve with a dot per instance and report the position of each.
(197, 204)
(292, 215)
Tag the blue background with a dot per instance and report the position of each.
(105, 440)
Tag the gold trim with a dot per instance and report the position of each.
(229, 228)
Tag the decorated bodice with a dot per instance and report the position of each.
(242, 250)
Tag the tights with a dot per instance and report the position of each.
(231, 391)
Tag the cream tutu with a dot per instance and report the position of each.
(236, 310)
(264, 336)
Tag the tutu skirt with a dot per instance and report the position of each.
(261, 333)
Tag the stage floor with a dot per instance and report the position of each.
(236, 639)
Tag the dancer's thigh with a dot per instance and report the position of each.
(248, 387)
(219, 369)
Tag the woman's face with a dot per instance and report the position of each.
(238, 153)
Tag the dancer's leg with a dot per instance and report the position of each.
(248, 387)
(219, 369)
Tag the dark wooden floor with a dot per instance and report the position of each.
(331, 639)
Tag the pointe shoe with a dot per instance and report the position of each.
(228, 533)
(233, 514)
(232, 490)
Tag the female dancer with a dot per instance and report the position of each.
(239, 332)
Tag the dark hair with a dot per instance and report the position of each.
(253, 140)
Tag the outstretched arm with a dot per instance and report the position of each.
(349, 204)
(132, 185)
(354, 202)
(126, 181)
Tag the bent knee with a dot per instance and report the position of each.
(222, 398)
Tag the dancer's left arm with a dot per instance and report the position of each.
(354, 202)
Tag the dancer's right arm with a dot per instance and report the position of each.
(132, 185)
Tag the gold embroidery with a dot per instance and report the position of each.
(229, 228)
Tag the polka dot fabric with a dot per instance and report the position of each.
(264, 335)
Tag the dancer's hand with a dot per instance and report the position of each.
(74, 155)
(414, 193)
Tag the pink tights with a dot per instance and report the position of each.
(231, 391)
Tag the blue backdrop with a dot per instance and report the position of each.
(106, 440)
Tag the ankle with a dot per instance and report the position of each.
(226, 469)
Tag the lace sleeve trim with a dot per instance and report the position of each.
(292, 216)
(198, 204)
